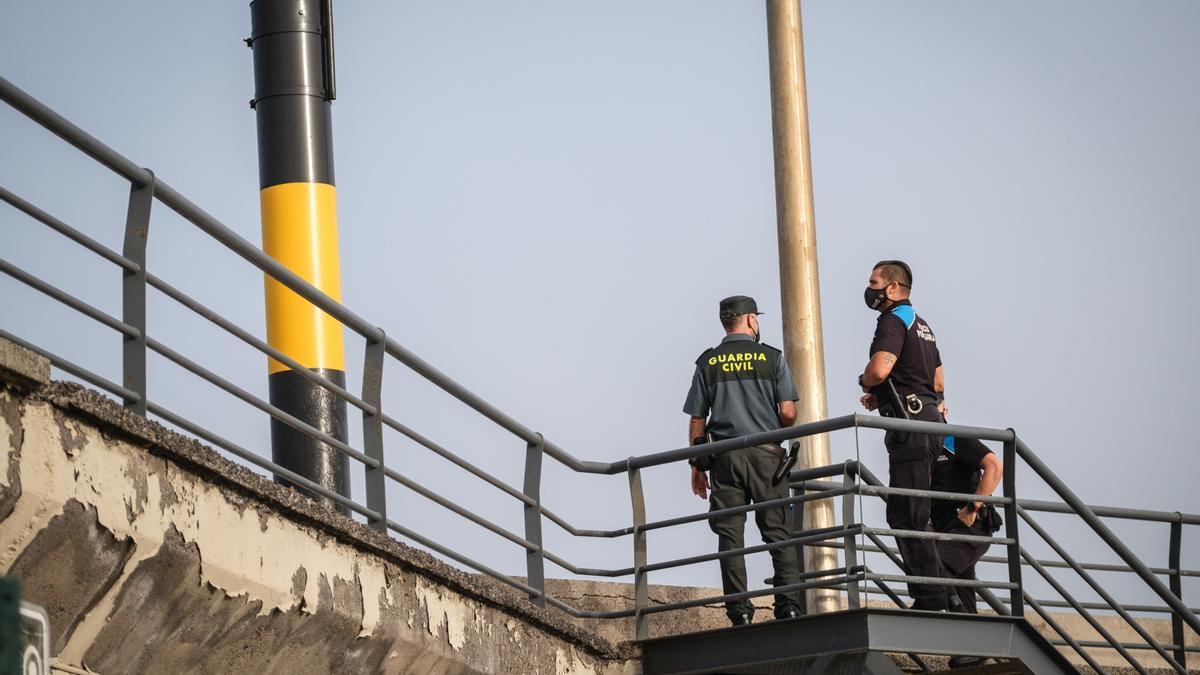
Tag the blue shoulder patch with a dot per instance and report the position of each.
(906, 314)
(948, 444)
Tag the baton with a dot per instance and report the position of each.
(897, 402)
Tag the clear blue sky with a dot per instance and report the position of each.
(546, 200)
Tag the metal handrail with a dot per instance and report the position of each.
(146, 187)
(68, 231)
(1104, 595)
(1096, 644)
(70, 367)
(1067, 639)
(67, 299)
(1041, 505)
(930, 494)
(1080, 610)
(1108, 536)
(245, 336)
(829, 490)
(1049, 563)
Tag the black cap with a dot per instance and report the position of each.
(738, 305)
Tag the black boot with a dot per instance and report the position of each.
(956, 605)
(787, 612)
(742, 619)
(928, 605)
(966, 661)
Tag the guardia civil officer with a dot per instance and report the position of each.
(741, 387)
(904, 378)
(964, 466)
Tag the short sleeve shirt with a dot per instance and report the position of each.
(738, 385)
(957, 468)
(902, 332)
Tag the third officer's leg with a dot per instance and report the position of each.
(775, 524)
(967, 599)
(728, 491)
(958, 559)
(912, 513)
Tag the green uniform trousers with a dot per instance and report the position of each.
(742, 477)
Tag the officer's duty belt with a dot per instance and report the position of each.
(888, 410)
(776, 450)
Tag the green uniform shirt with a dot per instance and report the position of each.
(738, 386)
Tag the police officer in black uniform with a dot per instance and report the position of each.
(964, 466)
(904, 378)
(742, 387)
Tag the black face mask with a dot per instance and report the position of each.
(757, 333)
(875, 298)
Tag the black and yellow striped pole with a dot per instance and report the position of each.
(293, 86)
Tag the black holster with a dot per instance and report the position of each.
(786, 462)
(990, 518)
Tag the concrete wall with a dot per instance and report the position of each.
(152, 554)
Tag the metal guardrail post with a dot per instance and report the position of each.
(372, 394)
(1016, 602)
(534, 558)
(641, 587)
(1173, 550)
(133, 292)
(850, 553)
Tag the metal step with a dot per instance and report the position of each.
(855, 641)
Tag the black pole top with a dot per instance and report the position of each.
(293, 85)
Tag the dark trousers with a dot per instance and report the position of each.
(959, 558)
(910, 461)
(742, 477)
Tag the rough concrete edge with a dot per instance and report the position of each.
(22, 368)
(189, 453)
